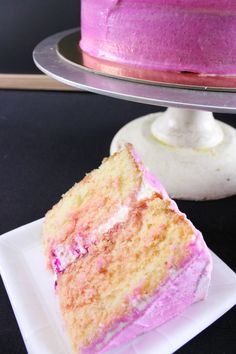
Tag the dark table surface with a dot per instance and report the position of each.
(48, 141)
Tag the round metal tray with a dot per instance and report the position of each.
(68, 47)
(58, 57)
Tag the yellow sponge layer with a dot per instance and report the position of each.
(94, 200)
(127, 264)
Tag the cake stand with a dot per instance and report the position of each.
(190, 152)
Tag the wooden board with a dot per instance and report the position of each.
(32, 82)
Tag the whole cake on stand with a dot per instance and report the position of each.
(173, 35)
(185, 37)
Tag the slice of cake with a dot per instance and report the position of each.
(125, 258)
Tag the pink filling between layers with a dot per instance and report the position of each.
(63, 256)
(189, 285)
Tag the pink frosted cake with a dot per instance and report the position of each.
(196, 36)
(125, 258)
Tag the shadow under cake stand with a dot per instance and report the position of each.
(190, 152)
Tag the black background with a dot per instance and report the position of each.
(24, 23)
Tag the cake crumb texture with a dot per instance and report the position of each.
(92, 201)
(122, 269)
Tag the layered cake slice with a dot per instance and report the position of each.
(125, 258)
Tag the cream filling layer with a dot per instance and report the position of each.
(65, 254)
(118, 217)
(146, 190)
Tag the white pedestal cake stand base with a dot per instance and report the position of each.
(193, 155)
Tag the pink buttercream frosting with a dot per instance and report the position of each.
(190, 284)
(170, 35)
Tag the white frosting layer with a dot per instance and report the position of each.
(118, 217)
(146, 190)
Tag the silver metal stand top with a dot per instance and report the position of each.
(48, 60)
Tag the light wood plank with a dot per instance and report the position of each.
(32, 82)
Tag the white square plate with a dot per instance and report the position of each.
(30, 288)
